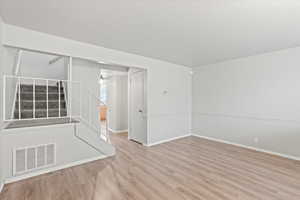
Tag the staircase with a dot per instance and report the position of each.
(35, 103)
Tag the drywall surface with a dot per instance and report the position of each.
(1, 66)
(1, 111)
(9, 59)
(117, 102)
(69, 148)
(86, 90)
(37, 65)
(168, 84)
(252, 101)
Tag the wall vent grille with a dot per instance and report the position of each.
(32, 158)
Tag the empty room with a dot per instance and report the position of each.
(149, 100)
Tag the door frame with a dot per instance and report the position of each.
(130, 73)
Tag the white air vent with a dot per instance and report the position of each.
(27, 159)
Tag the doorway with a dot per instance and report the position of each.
(123, 102)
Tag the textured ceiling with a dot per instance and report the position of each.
(190, 32)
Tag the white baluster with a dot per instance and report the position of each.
(33, 96)
(4, 96)
(47, 97)
(19, 82)
(59, 99)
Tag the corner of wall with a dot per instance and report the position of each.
(1, 117)
(251, 101)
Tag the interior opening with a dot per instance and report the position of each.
(123, 105)
(36, 89)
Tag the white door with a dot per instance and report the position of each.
(138, 115)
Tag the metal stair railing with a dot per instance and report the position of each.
(36, 97)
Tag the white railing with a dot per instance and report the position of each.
(36, 97)
(79, 102)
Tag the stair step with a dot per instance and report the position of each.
(39, 113)
(39, 88)
(40, 104)
(41, 96)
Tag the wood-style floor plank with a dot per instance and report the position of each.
(187, 169)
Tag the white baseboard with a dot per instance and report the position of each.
(168, 140)
(117, 131)
(248, 147)
(52, 169)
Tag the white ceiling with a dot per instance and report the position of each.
(187, 32)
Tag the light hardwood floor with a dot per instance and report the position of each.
(189, 168)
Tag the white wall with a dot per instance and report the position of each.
(168, 115)
(1, 64)
(1, 115)
(37, 65)
(9, 57)
(87, 73)
(117, 102)
(34, 65)
(252, 101)
(69, 148)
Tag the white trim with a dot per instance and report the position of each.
(35, 78)
(117, 131)
(52, 169)
(70, 86)
(28, 119)
(1, 186)
(4, 130)
(167, 140)
(88, 58)
(248, 147)
(248, 117)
